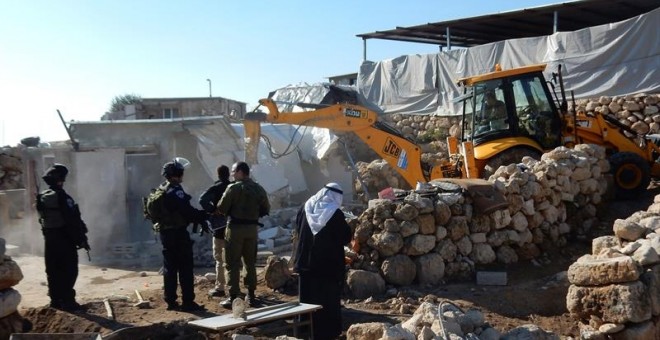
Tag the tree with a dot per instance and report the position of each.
(118, 102)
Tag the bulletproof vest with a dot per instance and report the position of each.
(50, 213)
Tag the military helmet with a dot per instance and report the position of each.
(175, 167)
(55, 173)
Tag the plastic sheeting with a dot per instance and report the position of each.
(614, 59)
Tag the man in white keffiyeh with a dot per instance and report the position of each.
(320, 207)
(319, 258)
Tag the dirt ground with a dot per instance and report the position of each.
(535, 294)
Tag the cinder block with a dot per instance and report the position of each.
(491, 278)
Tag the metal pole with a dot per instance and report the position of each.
(555, 22)
(364, 49)
(448, 39)
(210, 94)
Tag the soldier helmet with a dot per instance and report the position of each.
(55, 173)
(175, 167)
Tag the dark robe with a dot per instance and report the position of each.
(319, 261)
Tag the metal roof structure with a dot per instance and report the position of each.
(528, 22)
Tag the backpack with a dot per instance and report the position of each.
(153, 206)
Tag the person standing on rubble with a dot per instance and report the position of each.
(177, 245)
(243, 203)
(319, 261)
(209, 200)
(64, 233)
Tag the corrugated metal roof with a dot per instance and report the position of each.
(528, 22)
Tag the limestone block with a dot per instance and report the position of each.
(617, 303)
(363, 284)
(409, 228)
(399, 270)
(628, 230)
(482, 253)
(600, 243)
(426, 224)
(506, 255)
(430, 268)
(406, 212)
(10, 273)
(386, 243)
(646, 255)
(440, 233)
(447, 249)
(419, 244)
(464, 245)
(9, 300)
(442, 213)
(529, 331)
(591, 271)
(367, 331)
(457, 227)
(519, 221)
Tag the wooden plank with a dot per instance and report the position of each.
(255, 316)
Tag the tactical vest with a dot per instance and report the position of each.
(50, 214)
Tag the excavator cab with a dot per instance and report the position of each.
(508, 115)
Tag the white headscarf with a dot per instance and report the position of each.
(320, 207)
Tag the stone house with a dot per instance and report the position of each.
(172, 108)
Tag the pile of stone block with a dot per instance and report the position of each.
(11, 169)
(426, 238)
(10, 275)
(443, 321)
(615, 291)
(640, 112)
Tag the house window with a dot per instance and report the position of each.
(170, 113)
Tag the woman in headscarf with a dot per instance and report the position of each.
(319, 260)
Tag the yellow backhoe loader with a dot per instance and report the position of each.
(507, 114)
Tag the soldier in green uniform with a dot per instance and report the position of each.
(243, 203)
(64, 233)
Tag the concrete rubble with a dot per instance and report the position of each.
(10, 275)
(442, 321)
(427, 239)
(615, 290)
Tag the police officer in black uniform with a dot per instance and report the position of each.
(177, 245)
(64, 233)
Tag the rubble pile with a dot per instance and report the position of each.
(11, 169)
(640, 112)
(615, 291)
(423, 128)
(425, 238)
(10, 275)
(443, 321)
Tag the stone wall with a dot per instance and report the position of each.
(615, 291)
(425, 238)
(10, 275)
(640, 111)
(11, 169)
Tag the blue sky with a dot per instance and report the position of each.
(76, 56)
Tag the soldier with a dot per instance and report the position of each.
(64, 233)
(177, 245)
(208, 200)
(243, 203)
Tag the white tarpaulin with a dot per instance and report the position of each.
(613, 59)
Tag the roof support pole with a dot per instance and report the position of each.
(448, 39)
(364, 49)
(555, 21)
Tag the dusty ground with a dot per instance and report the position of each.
(533, 295)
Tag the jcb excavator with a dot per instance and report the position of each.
(507, 114)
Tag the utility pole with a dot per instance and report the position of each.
(210, 93)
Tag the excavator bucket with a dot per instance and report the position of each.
(252, 126)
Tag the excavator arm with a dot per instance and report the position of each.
(402, 154)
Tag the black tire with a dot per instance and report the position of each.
(632, 174)
(506, 157)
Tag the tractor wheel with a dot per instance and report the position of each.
(632, 174)
(506, 157)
